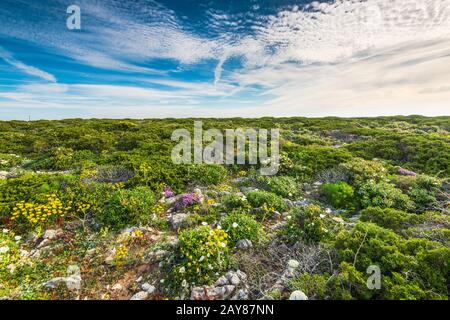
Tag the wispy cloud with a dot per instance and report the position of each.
(344, 57)
(8, 58)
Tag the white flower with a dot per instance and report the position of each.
(17, 238)
(235, 225)
(223, 245)
(4, 250)
(201, 259)
(184, 283)
(162, 280)
(182, 270)
(204, 223)
(322, 216)
(5, 230)
(219, 227)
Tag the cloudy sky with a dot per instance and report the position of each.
(224, 58)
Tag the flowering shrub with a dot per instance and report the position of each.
(168, 193)
(339, 195)
(241, 226)
(233, 201)
(40, 214)
(309, 224)
(203, 254)
(186, 200)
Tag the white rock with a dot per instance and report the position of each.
(177, 220)
(141, 295)
(117, 287)
(293, 264)
(298, 295)
(244, 244)
(148, 288)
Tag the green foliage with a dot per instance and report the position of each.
(389, 218)
(383, 195)
(313, 285)
(233, 201)
(241, 226)
(310, 224)
(259, 198)
(405, 264)
(202, 254)
(208, 174)
(339, 195)
(284, 186)
(361, 171)
(127, 208)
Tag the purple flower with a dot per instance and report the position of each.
(168, 193)
(405, 172)
(186, 200)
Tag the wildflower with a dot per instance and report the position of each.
(204, 223)
(182, 270)
(235, 225)
(168, 193)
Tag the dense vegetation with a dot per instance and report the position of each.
(104, 196)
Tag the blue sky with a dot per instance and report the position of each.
(248, 58)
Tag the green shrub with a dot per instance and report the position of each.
(339, 195)
(208, 174)
(309, 224)
(233, 201)
(361, 170)
(258, 198)
(383, 195)
(389, 218)
(284, 186)
(241, 226)
(414, 269)
(202, 253)
(313, 285)
(128, 208)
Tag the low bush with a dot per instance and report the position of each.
(284, 186)
(309, 224)
(258, 198)
(339, 195)
(241, 226)
(208, 174)
(127, 208)
(202, 253)
(383, 195)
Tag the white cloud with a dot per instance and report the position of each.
(7, 57)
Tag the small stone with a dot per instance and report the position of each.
(293, 264)
(233, 278)
(298, 295)
(176, 221)
(244, 244)
(222, 281)
(148, 288)
(117, 287)
(52, 234)
(141, 295)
